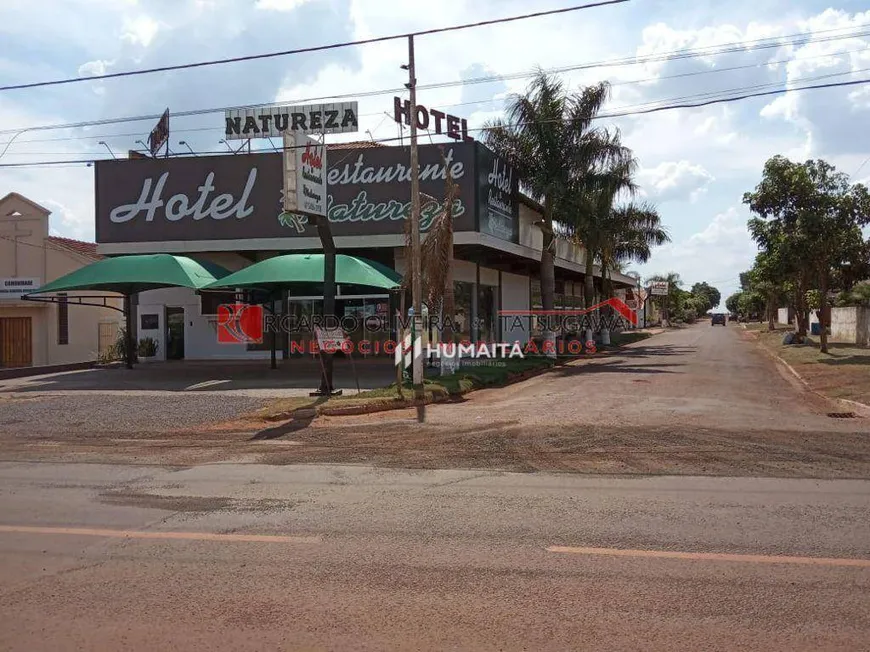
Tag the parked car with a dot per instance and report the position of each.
(718, 318)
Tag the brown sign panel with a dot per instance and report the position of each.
(234, 197)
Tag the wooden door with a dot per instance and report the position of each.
(16, 343)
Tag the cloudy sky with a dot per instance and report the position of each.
(695, 163)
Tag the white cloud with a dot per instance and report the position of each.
(677, 180)
(65, 221)
(716, 254)
(280, 5)
(140, 30)
(92, 68)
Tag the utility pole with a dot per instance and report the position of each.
(416, 263)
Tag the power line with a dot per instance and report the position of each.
(726, 100)
(316, 48)
(791, 39)
(630, 107)
(599, 117)
(458, 104)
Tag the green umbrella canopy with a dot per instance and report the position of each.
(291, 269)
(131, 274)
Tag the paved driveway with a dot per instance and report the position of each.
(295, 377)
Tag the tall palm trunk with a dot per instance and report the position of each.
(589, 289)
(448, 302)
(823, 312)
(771, 312)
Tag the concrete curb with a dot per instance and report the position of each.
(24, 372)
(854, 406)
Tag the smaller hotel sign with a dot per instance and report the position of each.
(11, 289)
(304, 176)
(275, 121)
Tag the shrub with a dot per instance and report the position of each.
(147, 347)
(857, 296)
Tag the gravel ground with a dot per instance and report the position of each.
(73, 416)
(696, 401)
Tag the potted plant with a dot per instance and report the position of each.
(147, 349)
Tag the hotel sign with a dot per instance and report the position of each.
(442, 123)
(304, 176)
(237, 197)
(275, 121)
(498, 191)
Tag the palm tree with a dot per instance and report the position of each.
(629, 236)
(437, 266)
(590, 209)
(549, 140)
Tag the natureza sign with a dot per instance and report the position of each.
(275, 121)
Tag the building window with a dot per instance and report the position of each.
(62, 320)
(462, 293)
(486, 313)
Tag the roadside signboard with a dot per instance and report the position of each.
(160, 134)
(275, 121)
(658, 288)
(304, 176)
(330, 339)
(11, 289)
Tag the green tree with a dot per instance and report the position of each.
(750, 303)
(812, 216)
(549, 138)
(732, 303)
(709, 297)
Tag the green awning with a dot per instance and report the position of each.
(290, 269)
(138, 273)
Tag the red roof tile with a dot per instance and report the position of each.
(84, 248)
(356, 144)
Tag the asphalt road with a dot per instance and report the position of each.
(251, 557)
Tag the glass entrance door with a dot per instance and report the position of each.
(174, 333)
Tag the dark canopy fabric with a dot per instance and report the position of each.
(295, 269)
(137, 273)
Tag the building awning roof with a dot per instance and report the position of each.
(291, 269)
(138, 273)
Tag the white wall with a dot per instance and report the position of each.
(200, 333)
(851, 324)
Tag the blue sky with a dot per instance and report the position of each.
(694, 164)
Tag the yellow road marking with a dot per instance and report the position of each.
(713, 556)
(136, 534)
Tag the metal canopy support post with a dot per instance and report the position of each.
(273, 336)
(128, 335)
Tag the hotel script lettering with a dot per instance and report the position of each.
(179, 206)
